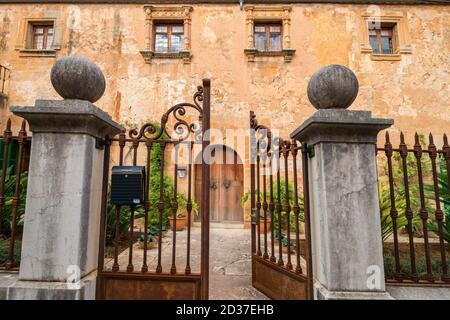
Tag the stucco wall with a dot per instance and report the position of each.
(414, 91)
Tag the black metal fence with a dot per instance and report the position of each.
(415, 210)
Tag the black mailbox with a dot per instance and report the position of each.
(127, 185)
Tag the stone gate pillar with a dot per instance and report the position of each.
(63, 204)
(344, 208)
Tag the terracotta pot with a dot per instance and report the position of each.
(262, 224)
(181, 223)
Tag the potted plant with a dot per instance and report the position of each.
(181, 220)
(151, 242)
(284, 244)
(262, 225)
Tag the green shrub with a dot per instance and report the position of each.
(4, 249)
(10, 181)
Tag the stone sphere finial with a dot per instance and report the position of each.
(333, 87)
(75, 77)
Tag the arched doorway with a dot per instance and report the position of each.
(226, 185)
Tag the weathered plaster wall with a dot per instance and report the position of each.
(414, 91)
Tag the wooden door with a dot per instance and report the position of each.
(226, 186)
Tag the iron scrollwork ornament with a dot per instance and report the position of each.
(181, 129)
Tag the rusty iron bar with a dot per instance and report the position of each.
(408, 211)
(253, 151)
(10, 263)
(439, 215)
(204, 263)
(307, 220)
(393, 209)
(258, 201)
(118, 212)
(161, 206)
(149, 145)
(6, 140)
(446, 154)
(287, 206)
(173, 268)
(187, 270)
(272, 212)
(423, 210)
(104, 205)
(130, 266)
(279, 208)
(296, 207)
(118, 209)
(265, 206)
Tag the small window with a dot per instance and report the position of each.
(382, 40)
(169, 38)
(267, 37)
(42, 37)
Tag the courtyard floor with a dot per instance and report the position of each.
(230, 261)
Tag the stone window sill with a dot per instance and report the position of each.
(386, 57)
(37, 53)
(149, 55)
(251, 53)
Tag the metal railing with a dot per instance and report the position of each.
(279, 201)
(415, 210)
(13, 184)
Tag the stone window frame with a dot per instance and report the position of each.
(401, 34)
(154, 15)
(24, 41)
(279, 14)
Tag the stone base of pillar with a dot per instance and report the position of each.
(322, 293)
(11, 288)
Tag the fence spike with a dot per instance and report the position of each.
(23, 130)
(387, 137)
(402, 137)
(445, 140)
(430, 138)
(416, 138)
(7, 131)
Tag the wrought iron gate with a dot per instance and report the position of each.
(158, 273)
(281, 257)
